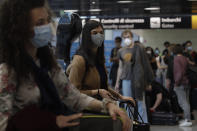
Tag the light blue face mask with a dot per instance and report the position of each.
(189, 48)
(42, 35)
(157, 52)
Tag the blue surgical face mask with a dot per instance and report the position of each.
(157, 52)
(42, 35)
(189, 48)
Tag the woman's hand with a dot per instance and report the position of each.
(65, 121)
(125, 98)
(117, 88)
(104, 93)
(114, 111)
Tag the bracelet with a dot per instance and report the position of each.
(106, 101)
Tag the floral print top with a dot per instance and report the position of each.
(12, 100)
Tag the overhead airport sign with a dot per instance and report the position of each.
(170, 22)
(160, 22)
(126, 23)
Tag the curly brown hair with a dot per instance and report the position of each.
(15, 32)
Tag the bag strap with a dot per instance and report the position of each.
(128, 107)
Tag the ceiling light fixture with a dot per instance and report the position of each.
(83, 17)
(70, 11)
(191, 0)
(124, 1)
(95, 10)
(152, 8)
(93, 17)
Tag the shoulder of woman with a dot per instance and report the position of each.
(78, 60)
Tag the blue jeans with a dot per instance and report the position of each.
(126, 91)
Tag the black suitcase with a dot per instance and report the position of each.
(193, 98)
(164, 118)
(97, 122)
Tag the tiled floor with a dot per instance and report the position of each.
(174, 128)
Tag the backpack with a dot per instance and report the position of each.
(192, 74)
(69, 28)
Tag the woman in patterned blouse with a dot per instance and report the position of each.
(34, 90)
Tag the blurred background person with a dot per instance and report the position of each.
(166, 45)
(115, 61)
(152, 59)
(181, 85)
(162, 66)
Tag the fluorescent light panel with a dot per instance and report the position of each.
(95, 10)
(124, 1)
(70, 10)
(152, 8)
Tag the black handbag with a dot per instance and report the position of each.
(137, 125)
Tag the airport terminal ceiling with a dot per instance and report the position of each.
(120, 8)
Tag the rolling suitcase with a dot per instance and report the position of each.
(97, 122)
(164, 118)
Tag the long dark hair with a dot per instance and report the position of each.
(16, 31)
(86, 46)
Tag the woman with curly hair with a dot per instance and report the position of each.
(35, 94)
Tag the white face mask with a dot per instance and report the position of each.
(127, 42)
(149, 52)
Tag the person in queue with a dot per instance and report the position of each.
(115, 61)
(87, 70)
(181, 84)
(35, 93)
(134, 71)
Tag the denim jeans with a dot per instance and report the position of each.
(127, 91)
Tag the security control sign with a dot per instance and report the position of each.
(145, 22)
(178, 22)
(126, 23)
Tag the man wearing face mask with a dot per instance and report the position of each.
(189, 53)
(134, 71)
